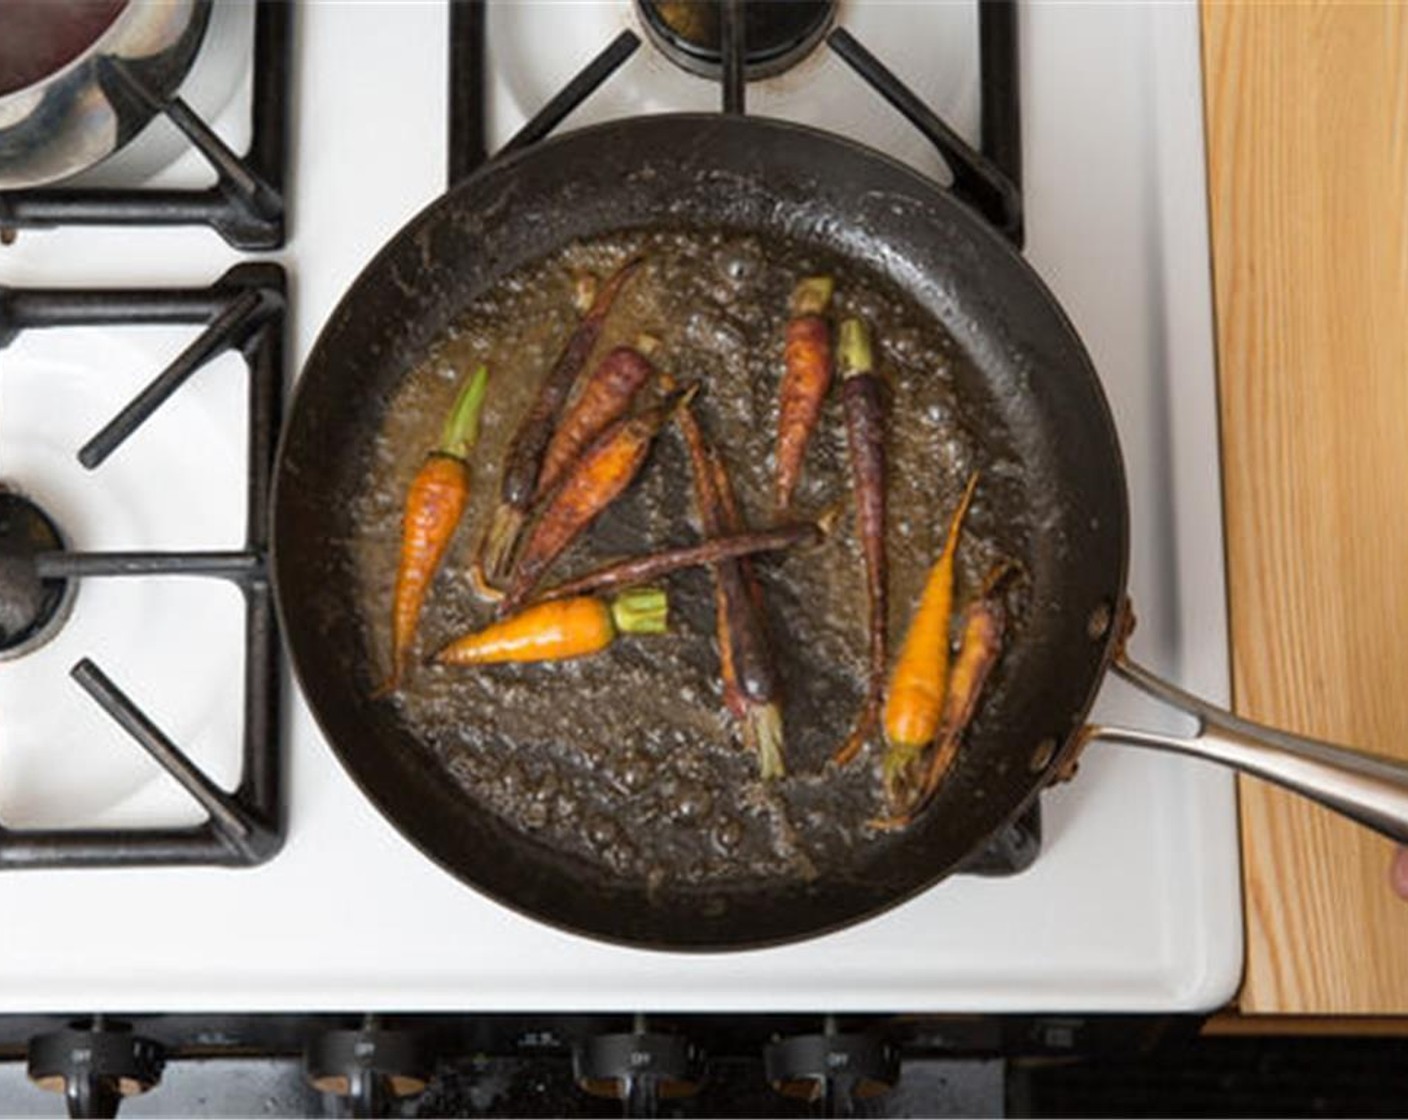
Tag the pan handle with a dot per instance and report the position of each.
(1370, 789)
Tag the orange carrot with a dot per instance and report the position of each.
(525, 453)
(805, 379)
(604, 398)
(435, 503)
(596, 480)
(984, 621)
(561, 629)
(914, 700)
(983, 624)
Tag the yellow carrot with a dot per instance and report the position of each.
(915, 696)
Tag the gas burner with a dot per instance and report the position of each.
(372, 1067)
(32, 608)
(640, 1068)
(95, 1064)
(242, 312)
(776, 35)
(832, 1070)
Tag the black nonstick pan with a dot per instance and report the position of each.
(1032, 379)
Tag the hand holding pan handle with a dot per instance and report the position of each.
(1367, 788)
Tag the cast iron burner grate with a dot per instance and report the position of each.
(246, 204)
(776, 34)
(242, 311)
(988, 180)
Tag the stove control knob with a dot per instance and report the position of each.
(95, 1065)
(831, 1070)
(640, 1069)
(370, 1067)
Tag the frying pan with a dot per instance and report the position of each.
(1031, 379)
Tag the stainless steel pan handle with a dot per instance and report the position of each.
(1367, 788)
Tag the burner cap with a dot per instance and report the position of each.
(776, 33)
(31, 609)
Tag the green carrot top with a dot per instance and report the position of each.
(462, 423)
(812, 295)
(853, 353)
(641, 610)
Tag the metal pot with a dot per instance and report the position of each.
(87, 106)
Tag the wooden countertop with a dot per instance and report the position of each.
(1307, 122)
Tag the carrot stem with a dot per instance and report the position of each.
(584, 289)
(812, 295)
(641, 610)
(762, 730)
(854, 355)
(461, 428)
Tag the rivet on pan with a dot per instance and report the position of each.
(1041, 757)
(1098, 624)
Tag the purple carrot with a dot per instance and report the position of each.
(751, 688)
(863, 397)
(642, 569)
(525, 454)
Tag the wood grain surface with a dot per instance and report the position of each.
(1307, 114)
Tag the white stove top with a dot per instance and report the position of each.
(1134, 901)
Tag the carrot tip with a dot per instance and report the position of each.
(387, 687)
(480, 585)
(964, 502)
(682, 398)
(858, 737)
(827, 518)
(762, 733)
(849, 750)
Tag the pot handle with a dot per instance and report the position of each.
(1367, 788)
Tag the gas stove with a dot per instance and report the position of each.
(1132, 902)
